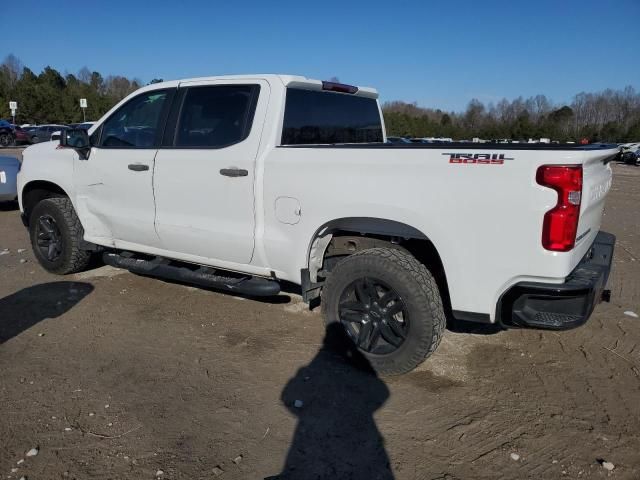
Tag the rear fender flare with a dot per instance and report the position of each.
(362, 225)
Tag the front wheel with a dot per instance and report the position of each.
(56, 232)
(389, 305)
(6, 140)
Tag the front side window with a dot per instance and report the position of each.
(318, 117)
(135, 124)
(216, 116)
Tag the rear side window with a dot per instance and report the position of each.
(314, 117)
(216, 116)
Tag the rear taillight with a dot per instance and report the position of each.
(561, 222)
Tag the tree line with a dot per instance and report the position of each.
(610, 115)
(52, 97)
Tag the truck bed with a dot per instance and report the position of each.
(478, 204)
(466, 145)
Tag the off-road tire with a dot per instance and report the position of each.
(418, 290)
(72, 259)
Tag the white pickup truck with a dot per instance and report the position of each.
(243, 182)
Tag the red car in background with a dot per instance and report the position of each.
(13, 135)
(21, 136)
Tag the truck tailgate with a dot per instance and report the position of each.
(596, 182)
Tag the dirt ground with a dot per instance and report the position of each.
(116, 376)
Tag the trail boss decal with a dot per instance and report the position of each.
(478, 158)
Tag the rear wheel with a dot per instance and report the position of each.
(389, 306)
(56, 232)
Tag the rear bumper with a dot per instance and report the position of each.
(565, 305)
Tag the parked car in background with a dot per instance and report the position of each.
(55, 136)
(42, 133)
(7, 136)
(398, 140)
(434, 140)
(9, 168)
(631, 157)
(83, 125)
(21, 136)
(629, 147)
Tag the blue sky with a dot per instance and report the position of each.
(439, 54)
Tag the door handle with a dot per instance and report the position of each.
(234, 172)
(138, 167)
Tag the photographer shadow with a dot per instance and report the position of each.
(29, 306)
(336, 435)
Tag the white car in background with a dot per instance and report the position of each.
(55, 136)
(629, 147)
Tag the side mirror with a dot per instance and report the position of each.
(78, 139)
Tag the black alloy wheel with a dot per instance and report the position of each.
(374, 316)
(49, 239)
(56, 235)
(389, 305)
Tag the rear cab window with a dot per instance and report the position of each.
(216, 116)
(313, 117)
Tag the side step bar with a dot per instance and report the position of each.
(194, 274)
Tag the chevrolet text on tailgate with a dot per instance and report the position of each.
(241, 182)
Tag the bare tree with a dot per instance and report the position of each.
(12, 67)
(84, 75)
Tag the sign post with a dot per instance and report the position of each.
(83, 106)
(13, 106)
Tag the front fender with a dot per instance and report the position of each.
(46, 162)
